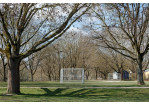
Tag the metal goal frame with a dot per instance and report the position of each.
(62, 76)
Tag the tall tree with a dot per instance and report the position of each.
(33, 63)
(49, 64)
(21, 23)
(124, 29)
(4, 64)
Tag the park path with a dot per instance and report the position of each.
(89, 87)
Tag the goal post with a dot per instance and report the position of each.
(72, 75)
(114, 76)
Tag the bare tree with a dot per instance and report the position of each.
(20, 23)
(24, 74)
(4, 65)
(49, 64)
(125, 31)
(33, 63)
(116, 61)
(102, 64)
(72, 51)
(145, 64)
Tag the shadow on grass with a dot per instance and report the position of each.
(91, 94)
(52, 93)
(56, 92)
(104, 95)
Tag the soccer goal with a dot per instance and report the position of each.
(114, 76)
(72, 75)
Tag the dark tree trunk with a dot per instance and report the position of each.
(136, 74)
(4, 74)
(96, 74)
(86, 77)
(105, 76)
(13, 75)
(49, 77)
(139, 71)
(122, 76)
(4, 66)
(32, 77)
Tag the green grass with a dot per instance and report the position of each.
(86, 84)
(77, 95)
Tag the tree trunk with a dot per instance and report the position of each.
(132, 76)
(4, 66)
(31, 77)
(4, 73)
(13, 75)
(59, 73)
(86, 77)
(96, 74)
(105, 76)
(139, 72)
(121, 74)
(136, 75)
(49, 77)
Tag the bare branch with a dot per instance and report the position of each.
(5, 28)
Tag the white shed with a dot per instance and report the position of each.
(115, 75)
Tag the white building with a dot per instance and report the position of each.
(115, 75)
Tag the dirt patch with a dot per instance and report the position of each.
(8, 94)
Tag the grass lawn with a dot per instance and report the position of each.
(86, 84)
(77, 94)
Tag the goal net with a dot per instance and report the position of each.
(114, 76)
(72, 75)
